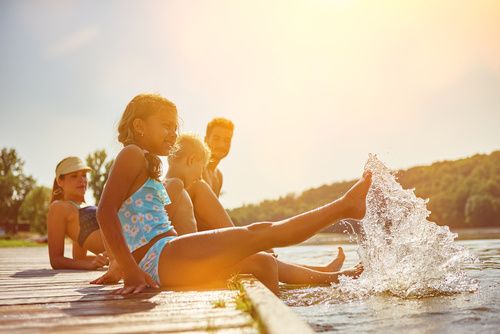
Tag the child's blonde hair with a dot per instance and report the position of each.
(188, 144)
(142, 106)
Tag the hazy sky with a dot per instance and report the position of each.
(312, 86)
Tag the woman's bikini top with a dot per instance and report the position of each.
(143, 214)
(87, 217)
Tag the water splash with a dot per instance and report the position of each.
(403, 253)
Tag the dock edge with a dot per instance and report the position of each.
(274, 316)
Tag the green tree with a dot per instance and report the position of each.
(99, 173)
(34, 208)
(482, 210)
(462, 193)
(14, 185)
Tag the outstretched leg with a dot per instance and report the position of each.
(294, 274)
(262, 265)
(334, 265)
(193, 258)
(269, 270)
(200, 205)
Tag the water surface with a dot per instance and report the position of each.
(466, 312)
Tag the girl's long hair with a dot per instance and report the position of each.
(142, 106)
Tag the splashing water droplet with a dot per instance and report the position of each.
(402, 252)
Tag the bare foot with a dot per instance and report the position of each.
(355, 198)
(337, 263)
(353, 272)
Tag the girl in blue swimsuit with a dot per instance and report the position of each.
(138, 231)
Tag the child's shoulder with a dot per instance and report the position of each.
(173, 183)
(129, 161)
(130, 154)
(131, 150)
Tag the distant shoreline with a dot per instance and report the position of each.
(477, 233)
(326, 238)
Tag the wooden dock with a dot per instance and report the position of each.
(37, 299)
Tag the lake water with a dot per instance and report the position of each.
(327, 312)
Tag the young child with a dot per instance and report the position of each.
(184, 166)
(67, 217)
(138, 231)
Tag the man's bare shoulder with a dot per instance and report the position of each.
(200, 187)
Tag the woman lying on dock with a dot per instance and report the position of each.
(68, 216)
(141, 238)
(195, 207)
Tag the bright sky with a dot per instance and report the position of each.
(312, 86)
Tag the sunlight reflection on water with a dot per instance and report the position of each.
(458, 313)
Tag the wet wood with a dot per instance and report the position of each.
(272, 312)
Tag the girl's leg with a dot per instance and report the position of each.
(269, 269)
(193, 258)
(262, 265)
(334, 265)
(211, 215)
(294, 274)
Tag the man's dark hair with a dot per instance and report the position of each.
(222, 122)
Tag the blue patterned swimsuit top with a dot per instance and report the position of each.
(143, 216)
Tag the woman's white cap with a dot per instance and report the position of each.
(70, 165)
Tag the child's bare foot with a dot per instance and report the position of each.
(353, 272)
(355, 198)
(337, 263)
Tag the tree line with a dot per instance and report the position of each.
(463, 193)
(23, 200)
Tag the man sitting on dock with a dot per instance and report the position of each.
(218, 138)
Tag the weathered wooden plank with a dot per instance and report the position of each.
(275, 316)
(85, 298)
(36, 299)
(209, 326)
